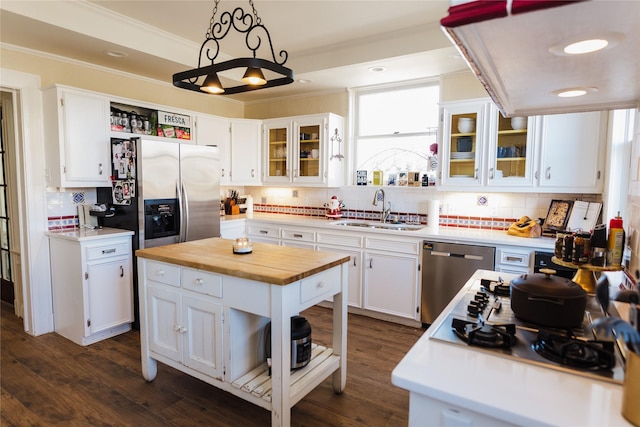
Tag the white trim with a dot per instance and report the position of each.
(34, 245)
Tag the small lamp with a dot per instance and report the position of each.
(254, 76)
(212, 84)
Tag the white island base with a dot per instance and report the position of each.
(211, 326)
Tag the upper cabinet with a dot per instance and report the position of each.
(304, 150)
(245, 152)
(238, 141)
(212, 130)
(572, 152)
(481, 148)
(77, 148)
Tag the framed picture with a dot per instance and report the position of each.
(558, 215)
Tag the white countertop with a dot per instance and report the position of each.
(86, 234)
(446, 234)
(503, 388)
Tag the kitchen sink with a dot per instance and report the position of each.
(380, 225)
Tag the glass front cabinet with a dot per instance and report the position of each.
(480, 147)
(298, 150)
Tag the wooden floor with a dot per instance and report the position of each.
(49, 381)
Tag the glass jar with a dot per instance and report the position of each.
(567, 251)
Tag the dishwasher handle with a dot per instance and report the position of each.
(453, 255)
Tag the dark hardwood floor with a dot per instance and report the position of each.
(49, 380)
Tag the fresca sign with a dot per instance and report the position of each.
(172, 125)
(173, 119)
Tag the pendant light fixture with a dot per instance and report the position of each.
(206, 79)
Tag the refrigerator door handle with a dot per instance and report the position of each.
(180, 212)
(185, 222)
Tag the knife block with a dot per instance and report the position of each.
(631, 389)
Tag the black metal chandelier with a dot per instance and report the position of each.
(205, 78)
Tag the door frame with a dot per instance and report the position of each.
(33, 243)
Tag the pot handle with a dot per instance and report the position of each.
(552, 301)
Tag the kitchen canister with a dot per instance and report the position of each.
(631, 390)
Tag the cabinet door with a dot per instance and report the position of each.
(202, 332)
(86, 143)
(572, 152)
(164, 322)
(510, 150)
(216, 131)
(308, 150)
(354, 285)
(464, 138)
(245, 152)
(277, 149)
(391, 284)
(110, 294)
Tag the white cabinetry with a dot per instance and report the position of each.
(349, 244)
(391, 277)
(212, 130)
(298, 237)
(304, 150)
(92, 286)
(245, 152)
(232, 229)
(265, 233)
(185, 325)
(513, 259)
(572, 152)
(76, 127)
(482, 148)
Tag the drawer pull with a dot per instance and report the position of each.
(198, 282)
(108, 251)
(299, 236)
(513, 258)
(264, 232)
(121, 271)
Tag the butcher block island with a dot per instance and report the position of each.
(204, 311)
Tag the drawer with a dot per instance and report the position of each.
(320, 286)
(106, 251)
(303, 236)
(405, 247)
(202, 282)
(264, 231)
(513, 257)
(163, 273)
(340, 239)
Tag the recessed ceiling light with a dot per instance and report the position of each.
(574, 91)
(377, 69)
(115, 53)
(586, 44)
(304, 81)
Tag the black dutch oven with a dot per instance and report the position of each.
(548, 300)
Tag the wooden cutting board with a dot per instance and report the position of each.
(278, 265)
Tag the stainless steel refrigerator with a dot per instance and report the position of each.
(179, 186)
(165, 192)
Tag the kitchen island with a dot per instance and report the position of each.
(457, 385)
(203, 311)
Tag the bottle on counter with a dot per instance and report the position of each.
(578, 248)
(615, 242)
(567, 251)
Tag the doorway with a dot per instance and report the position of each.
(7, 292)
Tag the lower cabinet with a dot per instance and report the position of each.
(232, 229)
(354, 273)
(185, 328)
(92, 286)
(514, 260)
(391, 283)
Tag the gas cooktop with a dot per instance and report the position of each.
(482, 320)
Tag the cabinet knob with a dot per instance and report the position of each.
(160, 273)
(198, 282)
(320, 285)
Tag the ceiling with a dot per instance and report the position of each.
(330, 43)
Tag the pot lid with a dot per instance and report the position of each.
(546, 284)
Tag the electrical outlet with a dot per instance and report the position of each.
(294, 193)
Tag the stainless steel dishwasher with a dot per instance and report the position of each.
(445, 268)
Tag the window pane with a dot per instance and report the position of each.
(409, 110)
(395, 154)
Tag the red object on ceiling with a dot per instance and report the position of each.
(484, 10)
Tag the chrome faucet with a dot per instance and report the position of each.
(379, 196)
